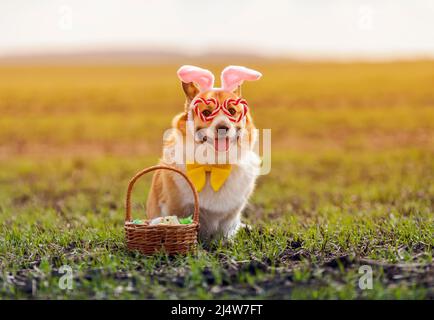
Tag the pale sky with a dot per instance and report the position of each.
(336, 28)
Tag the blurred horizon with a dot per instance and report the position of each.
(310, 30)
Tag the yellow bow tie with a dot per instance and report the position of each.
(219, 174)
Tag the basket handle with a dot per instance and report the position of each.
(161, 167)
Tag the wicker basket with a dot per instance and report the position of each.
(150, 239)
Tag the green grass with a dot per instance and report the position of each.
(350, 185)
(306, 217)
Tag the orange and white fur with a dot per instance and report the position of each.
(220, 211)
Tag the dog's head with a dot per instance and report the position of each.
(220, 117)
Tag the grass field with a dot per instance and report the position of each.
(351, 183)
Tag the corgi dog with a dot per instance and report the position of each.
(219, 125)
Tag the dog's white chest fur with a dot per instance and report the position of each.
(220, 211)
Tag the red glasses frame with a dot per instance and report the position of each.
(223, 107)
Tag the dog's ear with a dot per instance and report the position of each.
(190, 90)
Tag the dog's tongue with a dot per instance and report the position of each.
(221, 144)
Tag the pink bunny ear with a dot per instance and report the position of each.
(233, 76)
(204, 78)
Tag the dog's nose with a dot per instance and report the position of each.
(222, 129)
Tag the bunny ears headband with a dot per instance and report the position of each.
(231, 77)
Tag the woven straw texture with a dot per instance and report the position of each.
(173, 239)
